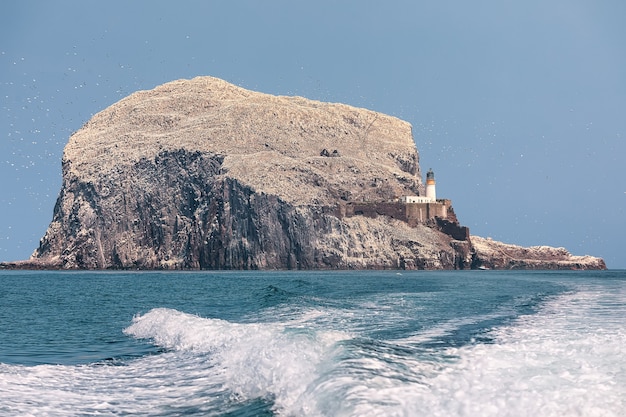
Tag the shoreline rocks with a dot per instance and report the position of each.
(491, 254)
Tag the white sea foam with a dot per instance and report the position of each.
(267, 360)
(567, 360)
(570, 359)
(208, 360)
(153, 383)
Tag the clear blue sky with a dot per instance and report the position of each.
(519, 107)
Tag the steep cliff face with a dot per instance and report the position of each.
(177, 211)
(201, 174)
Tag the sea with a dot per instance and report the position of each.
(288, 343)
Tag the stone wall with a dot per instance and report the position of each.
(394, 210)
(439, 215)
(422, 212)
(453, 229)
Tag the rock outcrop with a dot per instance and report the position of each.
(202, 174)
(491, 254)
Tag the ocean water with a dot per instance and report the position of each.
(458, 343)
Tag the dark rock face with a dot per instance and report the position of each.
(174, 212)
(201, 174)
(178, 212)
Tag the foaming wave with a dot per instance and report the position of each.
(209, 366)
(567, 360)
(149, 386)
(255, 360)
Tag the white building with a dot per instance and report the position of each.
(431, 194)
(416, 199)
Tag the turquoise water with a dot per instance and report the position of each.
(462, 343)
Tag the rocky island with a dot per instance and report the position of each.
(202, 174)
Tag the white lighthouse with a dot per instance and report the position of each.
(430, 186)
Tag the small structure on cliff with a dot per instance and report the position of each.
(424, 208)
(413, 210)
(430, 185)
(431, 193)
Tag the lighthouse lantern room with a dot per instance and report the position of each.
(430, 186)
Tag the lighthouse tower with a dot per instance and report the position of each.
(430, 186)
